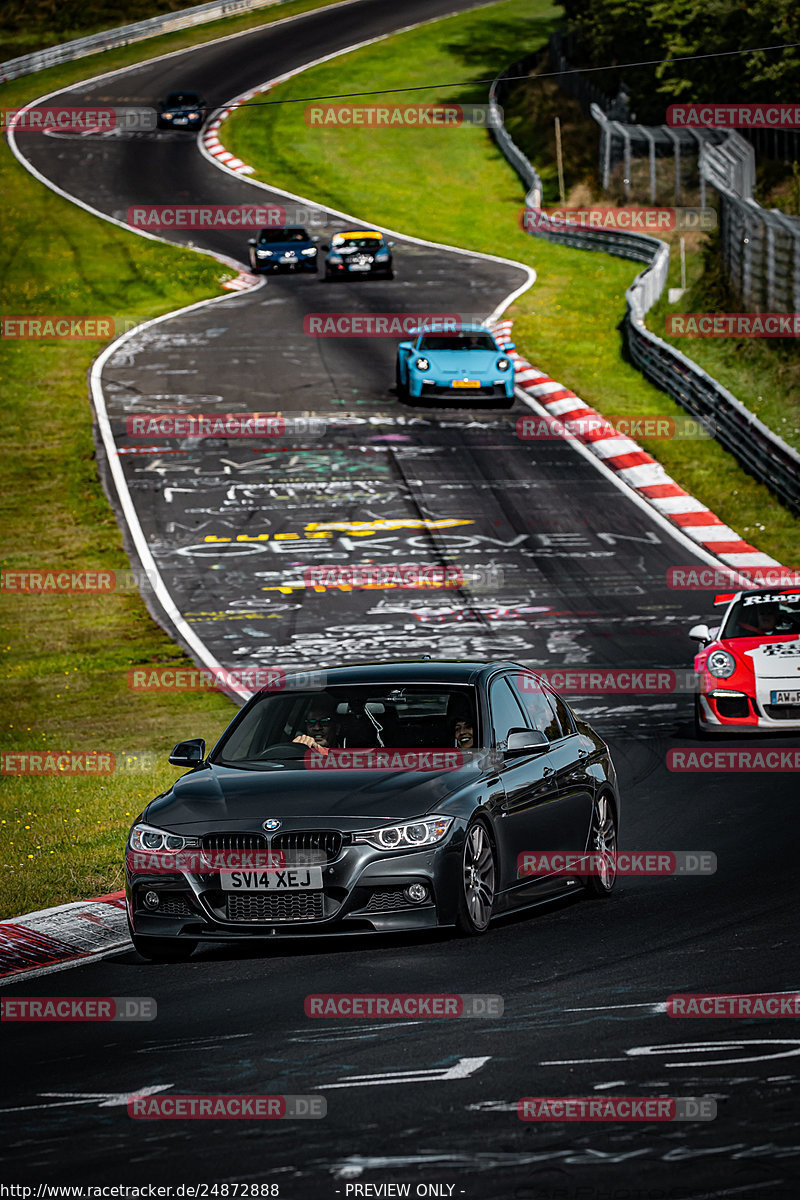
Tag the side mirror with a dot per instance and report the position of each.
(519, 741)
(252, 242)
(406, 346)
(316, 239)
(700, 633)
(188, 754)
(390, 245)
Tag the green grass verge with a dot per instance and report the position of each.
(19, 91)
(40, 24)
(454, 186)
(66, 658)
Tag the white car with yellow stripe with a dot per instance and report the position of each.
(358, 252)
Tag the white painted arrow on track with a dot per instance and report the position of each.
(102, 1099)
(460, 1070)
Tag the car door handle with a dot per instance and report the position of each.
(582, 753)
(547, 772)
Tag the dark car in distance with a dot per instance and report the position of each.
(283, 248)
(379, 798)
(181, 110)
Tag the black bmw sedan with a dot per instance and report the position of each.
(379, 798)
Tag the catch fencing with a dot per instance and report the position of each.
(727, 165)
(123, 35)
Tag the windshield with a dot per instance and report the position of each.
(457, 341)
(392, 715)
(284, 235)
(763, 614)
(182, 99)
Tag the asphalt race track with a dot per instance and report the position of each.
(562, 569)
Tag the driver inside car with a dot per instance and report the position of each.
(322, 728)
(764, 621)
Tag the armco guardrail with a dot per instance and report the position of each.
(757, 448)
(123, 35)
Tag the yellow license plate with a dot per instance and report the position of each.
(472, 383)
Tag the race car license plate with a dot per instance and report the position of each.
(470, 383)
(359, 266)
(790, 697)
(286, 879)
(181, 121)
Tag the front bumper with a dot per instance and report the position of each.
(745, 714)
(264, 266)
(345, 269)
(362, 893)
(422, 389)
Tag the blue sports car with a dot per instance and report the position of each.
(463, 364)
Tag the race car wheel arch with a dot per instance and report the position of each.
(603, 837)
(477, 880)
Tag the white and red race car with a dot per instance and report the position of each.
(749, 666)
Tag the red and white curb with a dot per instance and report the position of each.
(42, 941)
(210, 136)
(632, 465)
(242, 282)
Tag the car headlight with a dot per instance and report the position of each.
(407, 836)
(310, 252)
(167, 116)
(146, 837)
(422, 364)
(720, 664)
(381, 255)
(263, 254)
(503, 364)
(334, 258)
(193, 116)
